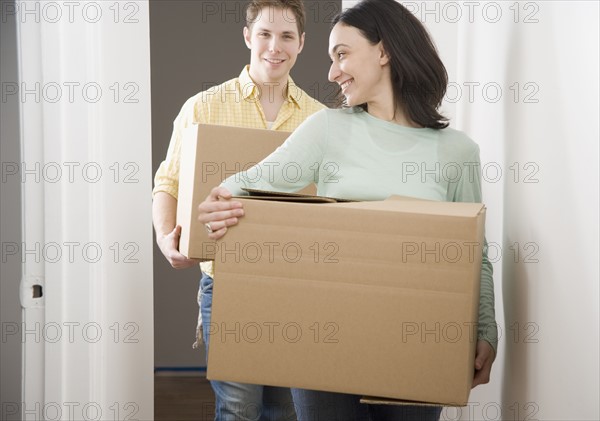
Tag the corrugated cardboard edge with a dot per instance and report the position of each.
(372, 400)
(187, 191)
(301, 197)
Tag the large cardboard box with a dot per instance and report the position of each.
(370, 298)
(210, 154)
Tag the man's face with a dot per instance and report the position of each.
(275, 43)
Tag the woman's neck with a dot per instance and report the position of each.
(390, 113)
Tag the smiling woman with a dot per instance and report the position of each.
(393, 82)
(404, 62)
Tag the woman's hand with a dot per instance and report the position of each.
(484, 357)
(218, 212)
(169, 246)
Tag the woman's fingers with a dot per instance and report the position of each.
(215, 215)
(218, 212)
(219, 193)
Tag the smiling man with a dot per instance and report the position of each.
(264, 97)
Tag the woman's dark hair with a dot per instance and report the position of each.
(419, 78)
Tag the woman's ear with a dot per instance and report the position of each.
(384, 58)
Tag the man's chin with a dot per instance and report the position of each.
(276, 76)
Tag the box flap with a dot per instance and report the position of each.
(394, 203)
(387, 401)
(291, 197)
(419, 206)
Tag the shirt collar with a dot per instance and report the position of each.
(293, 91)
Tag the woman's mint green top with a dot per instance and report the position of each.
(350, 154)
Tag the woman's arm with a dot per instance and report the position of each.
(292, 166)
(469, 190)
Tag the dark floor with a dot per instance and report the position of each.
(183, 399)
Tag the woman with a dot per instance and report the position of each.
(393, 82)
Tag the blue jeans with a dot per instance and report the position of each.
(312, 405)
(239, 401)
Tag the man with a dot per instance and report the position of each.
(263, 96)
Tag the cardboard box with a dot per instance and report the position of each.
(210, 154)
(369, 298)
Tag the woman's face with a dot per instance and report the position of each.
(357, 66)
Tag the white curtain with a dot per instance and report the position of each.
(542, 133)
(89, 214)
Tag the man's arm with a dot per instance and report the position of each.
(164, 212)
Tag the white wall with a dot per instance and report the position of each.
(556, 299)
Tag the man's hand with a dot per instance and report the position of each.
(484, 357)
(169, 245)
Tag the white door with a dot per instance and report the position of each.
(84, 90)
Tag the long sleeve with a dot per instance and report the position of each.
(166, 178)
(469, 190)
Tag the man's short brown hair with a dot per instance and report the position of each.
(255, 7)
